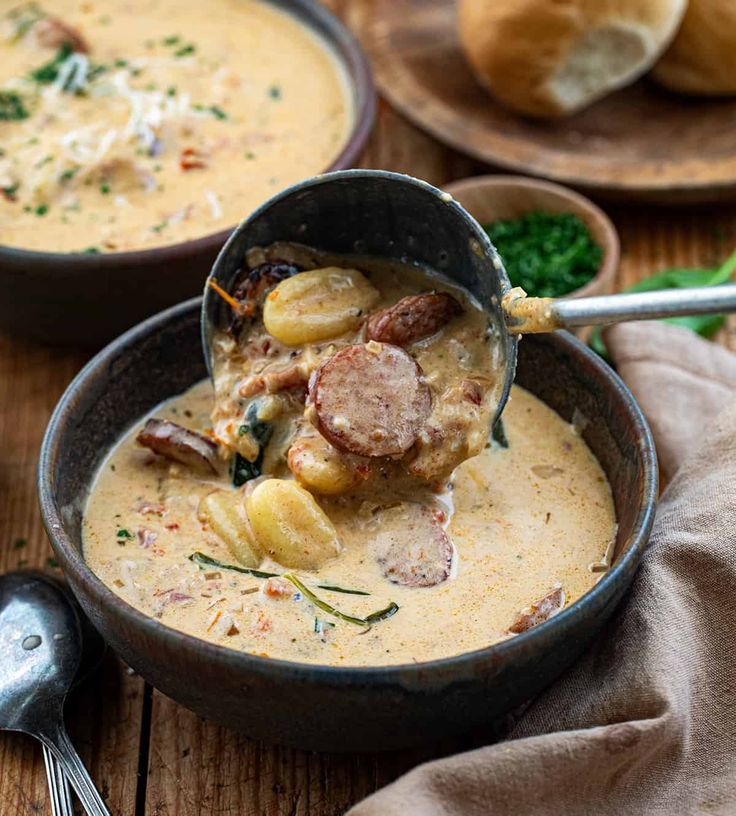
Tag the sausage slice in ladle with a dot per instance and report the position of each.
(412, 318)
(370, 399)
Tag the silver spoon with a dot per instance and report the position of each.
(41, 648)
(395, 217)
(93, 650)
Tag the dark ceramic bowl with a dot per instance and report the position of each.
(318, 707)
(85, 300)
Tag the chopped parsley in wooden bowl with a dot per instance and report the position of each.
(547, 254)
(553, 241)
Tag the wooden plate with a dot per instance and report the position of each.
(642, 142)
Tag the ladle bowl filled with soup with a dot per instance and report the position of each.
(326, 571)
(134, 136)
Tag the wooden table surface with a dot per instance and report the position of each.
(149, 755)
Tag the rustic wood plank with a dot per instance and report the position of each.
(104, 714)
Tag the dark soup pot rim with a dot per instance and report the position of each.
(412, 674)
(359, 77)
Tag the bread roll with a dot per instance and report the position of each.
(702, 57)
(552, 57)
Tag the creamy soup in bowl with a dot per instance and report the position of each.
(341, 706)
(337, 498)
(133, 125)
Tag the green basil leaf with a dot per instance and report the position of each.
(680, 278)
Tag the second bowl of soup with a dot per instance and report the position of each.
(136, 135)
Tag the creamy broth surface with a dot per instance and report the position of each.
(522, 520)
(173, 120)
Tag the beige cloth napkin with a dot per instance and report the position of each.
(645, 723)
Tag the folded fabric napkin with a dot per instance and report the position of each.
(645, 722)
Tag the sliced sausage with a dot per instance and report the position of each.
(51, 32)
(411, 546)
(412, 318)
(541, 610)
(370, 399)
(180, 444)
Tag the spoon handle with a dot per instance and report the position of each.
(61, 747)
(59, 793)
(61, 801)
(531, 315)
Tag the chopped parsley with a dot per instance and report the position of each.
(123, 533)
(250, 154)
(546, 254)
(216, 111)
(159, 227)
(104, 188)
(274, 92)
(185, 50)
(49, 71)
(12, 107)
(171, 90)
(92, 250)
(68, 174)
(121, 63)
(19, 543)
(41, 209)
(173, 40)
(52, 562)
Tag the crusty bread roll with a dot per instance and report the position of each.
(702, 57)
(553, 57)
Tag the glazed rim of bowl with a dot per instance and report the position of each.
(348, 52)
(72, 560)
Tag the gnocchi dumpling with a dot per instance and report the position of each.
(222, 510)
(321, 468)
(290, 526)
(318, 305)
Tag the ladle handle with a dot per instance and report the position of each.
(61, 747)
(532, 315)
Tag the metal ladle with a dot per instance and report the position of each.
(390, 216)
(41, 648)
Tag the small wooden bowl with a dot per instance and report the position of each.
(493, 198)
